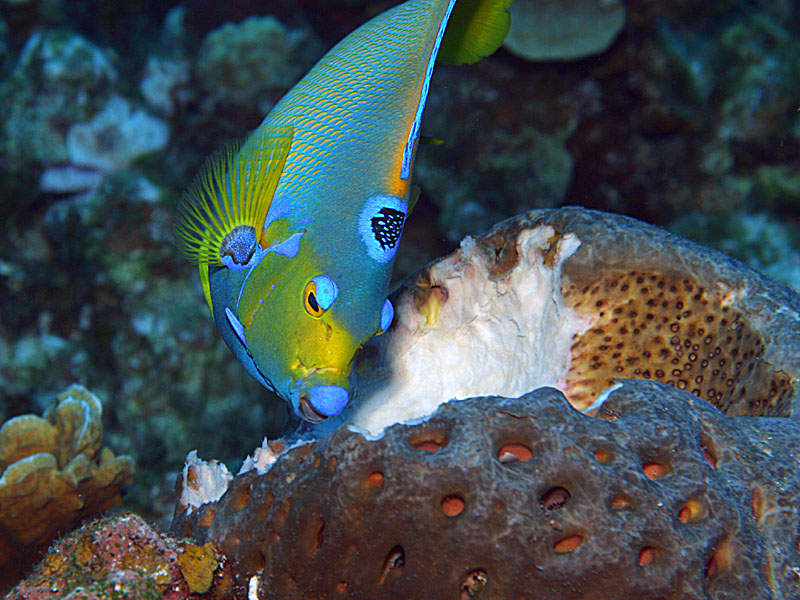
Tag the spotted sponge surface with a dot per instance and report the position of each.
(662, 496)
(672, 329)
(665, 309)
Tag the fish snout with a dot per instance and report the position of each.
(317, 403)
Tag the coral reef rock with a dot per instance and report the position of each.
(124, 557)
(116, 136)
(161, 79)
(662, 496)
(563, 30)
(53, 474)
(244, 62)
(59, 78)
(573, 299)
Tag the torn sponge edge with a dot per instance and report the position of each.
(204, 482)
(201, 482)
(267, 453)
(475, 323)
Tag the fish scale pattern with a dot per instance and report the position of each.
(362, 71)
(660, 497)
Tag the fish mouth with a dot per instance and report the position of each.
(307, 411)
(319, 392)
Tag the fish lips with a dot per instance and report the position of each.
(316, 399)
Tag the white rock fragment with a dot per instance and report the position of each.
(601, 399)
(202, 481)
(252, 588)
(266, 454)
(69, 179)
(563, 29)
(261, 459)
(145, 191)
(160, 80)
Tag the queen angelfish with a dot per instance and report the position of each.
(295, 229)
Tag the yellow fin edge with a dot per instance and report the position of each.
(476, 29)
(234, 187)
(203, 268)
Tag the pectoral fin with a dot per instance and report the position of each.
(228, 200)
(412, 201)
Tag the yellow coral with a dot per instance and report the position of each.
(198, 565)
(53, 474)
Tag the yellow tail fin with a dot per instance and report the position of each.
(476, 29)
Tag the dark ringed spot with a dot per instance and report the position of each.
(387, 227)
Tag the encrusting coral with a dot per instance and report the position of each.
(563, 29)
(54, 474)
(124, 557)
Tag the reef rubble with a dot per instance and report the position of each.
(123, 557)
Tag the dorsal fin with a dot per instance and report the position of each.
(233, 188)
(476, 29)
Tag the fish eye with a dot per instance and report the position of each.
(319, 294)
(310, 300)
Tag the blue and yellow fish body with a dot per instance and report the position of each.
(295, 229)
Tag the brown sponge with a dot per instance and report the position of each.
(661, 497)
